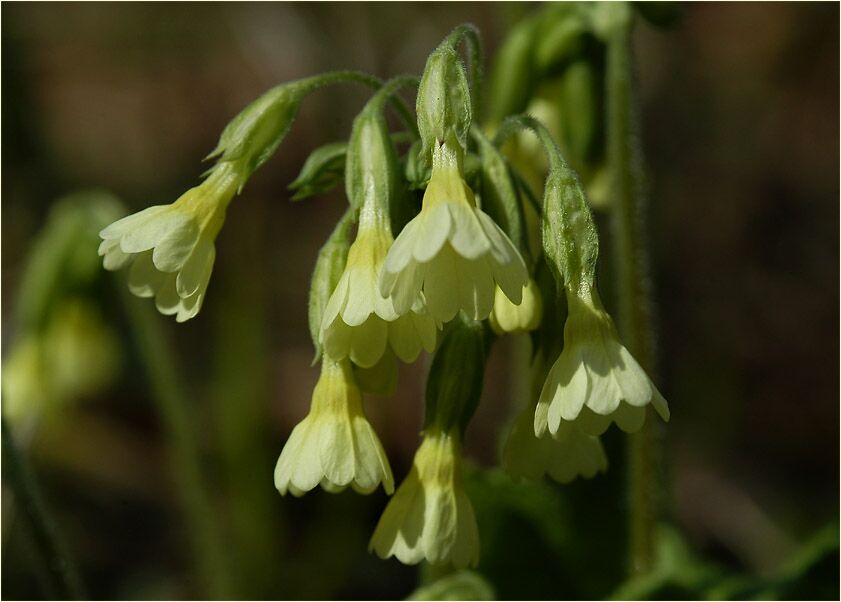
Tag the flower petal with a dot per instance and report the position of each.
(144, 280)
(467, 237)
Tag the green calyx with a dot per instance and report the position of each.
(570, 239)
(328, 269)
(454, 385)
(371, 170)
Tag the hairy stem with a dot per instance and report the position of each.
(633, 281)
(337, 77)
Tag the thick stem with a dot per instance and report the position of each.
(179, 420)
(56, 570)
(632, 281)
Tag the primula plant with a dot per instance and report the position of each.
(445, 247)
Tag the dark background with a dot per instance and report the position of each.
(740, 123)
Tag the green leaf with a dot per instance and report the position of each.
(461, 585)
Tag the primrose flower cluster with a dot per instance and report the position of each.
(392, 281)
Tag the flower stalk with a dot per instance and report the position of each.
(633, 283)
(58, 574)
(178, 422)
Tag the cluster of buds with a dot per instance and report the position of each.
(458, 273)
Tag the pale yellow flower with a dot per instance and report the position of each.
(430, 517)
(506, 317)
(564, 456)
(359, 322)
(171, 247)
(596, 380)
(452, 251)
(335, 445)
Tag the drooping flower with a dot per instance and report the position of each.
(335, 445)
(506, 317)
(430, 517)
(171, 247)
(359, 322)
(595, 380)
(564, 456)
(452, 251)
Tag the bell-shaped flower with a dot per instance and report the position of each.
(595, 380)
(506, 317)
(564, 456)
(359, 322)
(430, 517)
(171, 247)
(452, 251)
(335, 445)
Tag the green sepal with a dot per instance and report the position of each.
(255, 133)
(570, 240)
(328, 269)
(499, 193)
(322, 171)
(443, 102)
(455, 380)
(548, 337)
(371, 171)
(416, 171)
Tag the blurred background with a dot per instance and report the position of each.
(739, 107)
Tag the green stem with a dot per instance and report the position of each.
(337, 77)
(176, 413)
(57, 571)
(632, 279)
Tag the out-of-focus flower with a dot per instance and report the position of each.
(335, 445)
(451, 251)
(430, 517)
(74, 356)
(171, 247)
(563, 457)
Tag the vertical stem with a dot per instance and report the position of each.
(179, 421)
(57, 571)
(632, 278)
